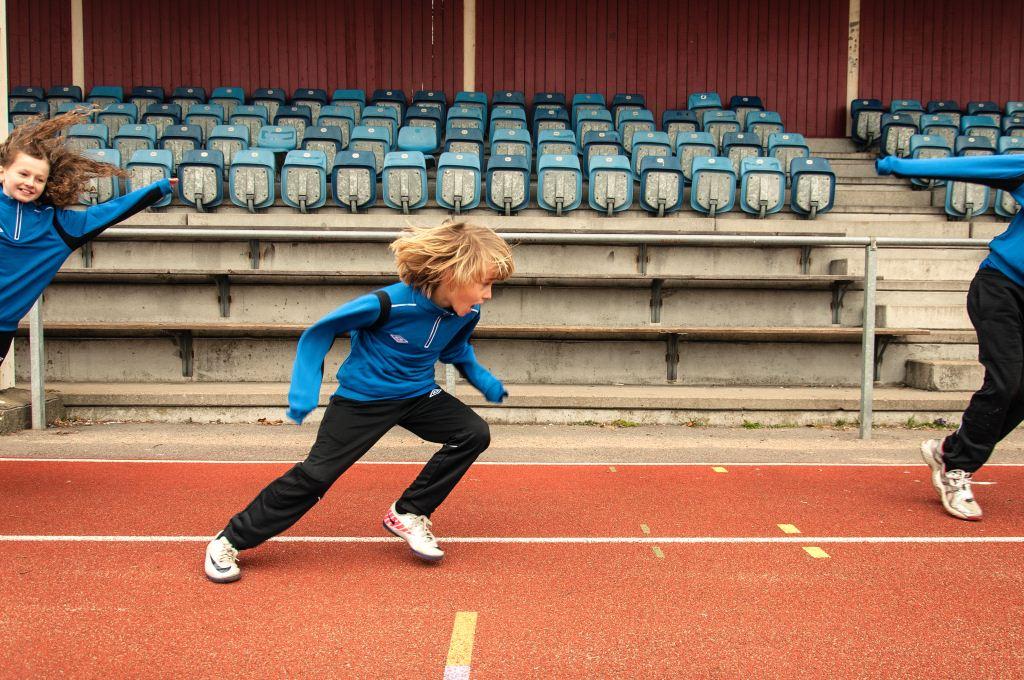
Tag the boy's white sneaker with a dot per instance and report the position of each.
(222, 561)
(414, 530)
(954, 486)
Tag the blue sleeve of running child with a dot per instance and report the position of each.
(460, 354)
(1001, 172)
(315, 342)
(84, 225)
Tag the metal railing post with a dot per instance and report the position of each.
(867, 369)
(35, 320)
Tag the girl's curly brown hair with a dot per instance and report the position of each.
(70, 171)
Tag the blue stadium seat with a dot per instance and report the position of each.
(940, 125)
(550, 100)
(601, 144)
(88, 136)
(63, 94)
(626, 101)
(132, 138)
(201, 179)
(371, 140)
(405, 180)
(354, 180)
(326, 139)
(979, 126)
(647, 144)
(277, 139)
(116, 115)
(24, 93)
(420, 139)
(787, 146)
(186, 97)
(462, 117)
(703, 102)
(593, 120)
(252, 178)
(611, 184)
(393, 98)
(147, 167)
(947, 106)
(382, 116)
(458, 181)
(341, 116)
(909, 107)
(507, 118)
(297, 116)
(762, 186)
(145, 96)
(965, 200)
(674, 121)
(312, 98)
(559, 183)
(429, 118)
(897, 129)
(661, 185)
(1005, 204)
(466, 140)
(270, 98)
(867, 121)
(510, 98)
(1013, 125)
(68, 107)
(229, 140)
(973, 146)
(739, 145)
(714, 185)
(764, 124)
(744, 104)
(929, 146)
(180, 138)
(988, 109)
(205, 117)
(430, 99)
(252, 117)
(814, 187)
(550, 118)
(101, 189)
(162, 115)
(720, 123)
(304, 179)
(1012, 108)
(632, 121)
(693, 145)
(591, 101)
(512, 143)
(354, 98)
(105, 95)
(508, 181)
(472, 99)
(558, 142)
(27, 112)
(228, 98)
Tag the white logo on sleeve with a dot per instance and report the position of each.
(399, 339)
(434, 392)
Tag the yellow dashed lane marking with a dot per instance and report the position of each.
(460, 651)
(657, 552)
(719, 469)
(789, 529)
(612, 468)
(644, 528)
(815, 552)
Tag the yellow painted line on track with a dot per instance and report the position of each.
(719, 469)
(789, 529)
(815, 552)
(612, 468)
(460, 650)
(657, 552)
(644, 528)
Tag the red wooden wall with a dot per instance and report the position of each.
(942, 49)
(39, 42)
(792, 53)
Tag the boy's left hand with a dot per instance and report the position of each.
(174, 182)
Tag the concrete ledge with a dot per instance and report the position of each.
(945, 375)
(16, 409)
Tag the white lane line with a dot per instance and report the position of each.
(588, 540)
(479, 462)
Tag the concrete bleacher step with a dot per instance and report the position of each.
(939, 317)
(945, 375)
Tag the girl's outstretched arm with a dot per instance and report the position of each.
(1004, 172)
(81, 226)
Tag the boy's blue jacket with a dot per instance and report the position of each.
(35, 239)
(393, 361)
(1006, 172)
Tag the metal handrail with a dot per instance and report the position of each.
(870, 245)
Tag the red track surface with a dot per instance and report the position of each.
(545, 610)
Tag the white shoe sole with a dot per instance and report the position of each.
(211, 573)
(422, 556)
(936, 467)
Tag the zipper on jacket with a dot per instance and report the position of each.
(17, 224)
(433, 332)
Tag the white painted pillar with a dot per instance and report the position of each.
(852, 61)
(77, 46)
(469, 45)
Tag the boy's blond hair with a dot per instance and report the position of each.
(458, 252)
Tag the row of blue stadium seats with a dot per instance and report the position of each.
(897, 129)
(304, 176)
(869, 115)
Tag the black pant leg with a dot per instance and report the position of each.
(464, 436)
(995, 305)
(348, 430)
(5, 344)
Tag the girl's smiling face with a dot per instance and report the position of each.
(25, 178)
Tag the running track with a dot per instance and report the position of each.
(551, 572)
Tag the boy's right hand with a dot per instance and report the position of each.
(883, 166)
(296, 416)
